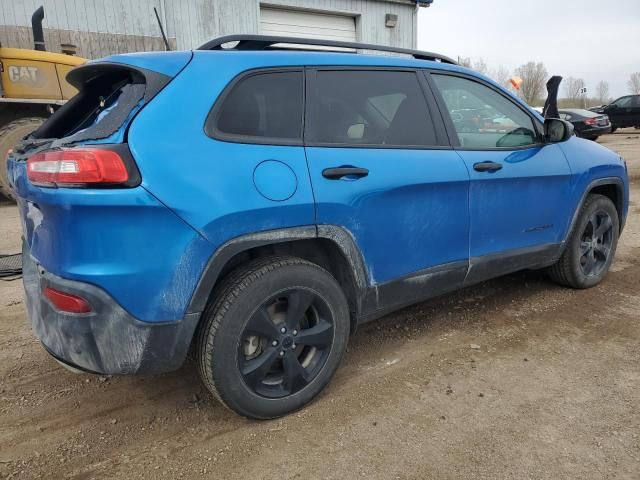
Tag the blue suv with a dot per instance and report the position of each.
(252, 202)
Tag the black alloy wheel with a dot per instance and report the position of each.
(595, 243)
(285, 343)
(272, 336)
(590, 247)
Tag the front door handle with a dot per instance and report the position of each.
(339, 172)
(487, 166)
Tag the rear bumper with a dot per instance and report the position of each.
(593, 131)
(108, 340)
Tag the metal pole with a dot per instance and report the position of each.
(164, 37)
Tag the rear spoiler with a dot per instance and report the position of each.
(86, 75)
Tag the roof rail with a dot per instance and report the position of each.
(266, 42)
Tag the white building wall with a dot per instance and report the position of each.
(103, 27)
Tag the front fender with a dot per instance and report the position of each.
(593, 165)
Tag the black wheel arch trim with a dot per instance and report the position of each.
(599, 182)
(369, 301)
(341, 237)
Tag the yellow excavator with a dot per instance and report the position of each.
(32, 86)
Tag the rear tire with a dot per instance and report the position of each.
(273, 336)
(10, 135)
(590, 247)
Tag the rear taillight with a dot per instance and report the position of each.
(591, 121)
(77, 167)
(67, 302)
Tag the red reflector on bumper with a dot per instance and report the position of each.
(67, 302)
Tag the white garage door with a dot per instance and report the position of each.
(297, 23)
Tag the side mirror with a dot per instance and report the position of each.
(557, 130)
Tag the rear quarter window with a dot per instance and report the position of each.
(265, 107)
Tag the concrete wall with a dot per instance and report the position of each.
(103, 27)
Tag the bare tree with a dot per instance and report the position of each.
(464, 61)
(634, 83)
(501, 75)
(602, 92)
(480, 66)
(533, 77)
(572, 88)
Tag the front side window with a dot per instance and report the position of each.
(482, 118)
(262, 107)
(374, 108)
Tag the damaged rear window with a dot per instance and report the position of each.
(108, 96)
(106, 109)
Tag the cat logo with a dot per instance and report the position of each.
(23, 74)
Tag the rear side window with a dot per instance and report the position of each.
(261, 108)
(374, 108)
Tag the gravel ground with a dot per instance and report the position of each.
(626, 142)
(515, 378)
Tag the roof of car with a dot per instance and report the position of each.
(266, 59)
(321, 57)
(270, 42)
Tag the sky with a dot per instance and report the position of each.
(590, 39)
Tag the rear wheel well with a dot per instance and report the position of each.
(612, 192)
(321, 251)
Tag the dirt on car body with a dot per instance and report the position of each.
(513, 378)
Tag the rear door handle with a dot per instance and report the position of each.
(340, 172)
(487, 166)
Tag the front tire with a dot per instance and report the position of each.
(273, 336)
(591, 245)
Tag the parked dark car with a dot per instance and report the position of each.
(623, 112)
(589, 125)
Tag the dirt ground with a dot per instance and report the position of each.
(515, 378)
(626, 142)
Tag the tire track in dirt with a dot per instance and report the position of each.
(551, 393)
